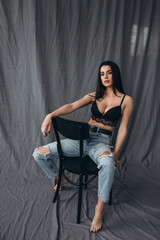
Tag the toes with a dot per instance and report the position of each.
(55, 188)
(92, 229)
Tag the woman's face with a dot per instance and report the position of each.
(106, 76)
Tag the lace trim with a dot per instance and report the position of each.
(101, 120)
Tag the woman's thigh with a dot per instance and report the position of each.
(97, 145)
(69, 147)
(97, 150)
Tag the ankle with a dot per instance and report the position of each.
(98, 210)
(99, 207)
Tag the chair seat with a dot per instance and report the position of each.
(73, 165)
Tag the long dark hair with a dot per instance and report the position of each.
(117, 83)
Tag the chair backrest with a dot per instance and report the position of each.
(71, 129)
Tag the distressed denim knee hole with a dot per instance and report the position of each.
(104, 154)
(42, 151)
(106, 160)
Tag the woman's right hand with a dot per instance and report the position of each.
(46, 123)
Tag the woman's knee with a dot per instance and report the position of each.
(40, 153)
(42, 150)
(105, 154)
(106, 159)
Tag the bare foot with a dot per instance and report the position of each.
(63, 181)
(97, 220)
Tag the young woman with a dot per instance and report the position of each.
(109, 105)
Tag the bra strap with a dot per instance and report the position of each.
(122, 99)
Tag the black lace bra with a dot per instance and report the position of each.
(110, 118)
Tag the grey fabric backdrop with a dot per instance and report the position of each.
(50, 52)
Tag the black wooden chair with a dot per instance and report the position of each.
(81, 165)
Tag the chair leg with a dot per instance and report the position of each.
(86, 178)
(58, 186)
(110, 198)
(79, 198)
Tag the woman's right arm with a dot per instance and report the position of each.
(66, 109)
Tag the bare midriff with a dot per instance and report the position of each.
(92, 122)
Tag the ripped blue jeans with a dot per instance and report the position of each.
(96, 145)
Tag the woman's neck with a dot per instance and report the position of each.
(109, 92)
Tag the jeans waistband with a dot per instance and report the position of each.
(94, 128)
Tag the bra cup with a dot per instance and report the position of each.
(110, 118)
(95, 110)
(112, 114)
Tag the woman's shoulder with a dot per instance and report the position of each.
(92, 96)
(128, 102)
(125, 97)
(128, 98)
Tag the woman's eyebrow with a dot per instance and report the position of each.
(107, 71)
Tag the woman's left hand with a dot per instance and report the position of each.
(116, 161)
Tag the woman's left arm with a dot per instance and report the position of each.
(122, 131)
